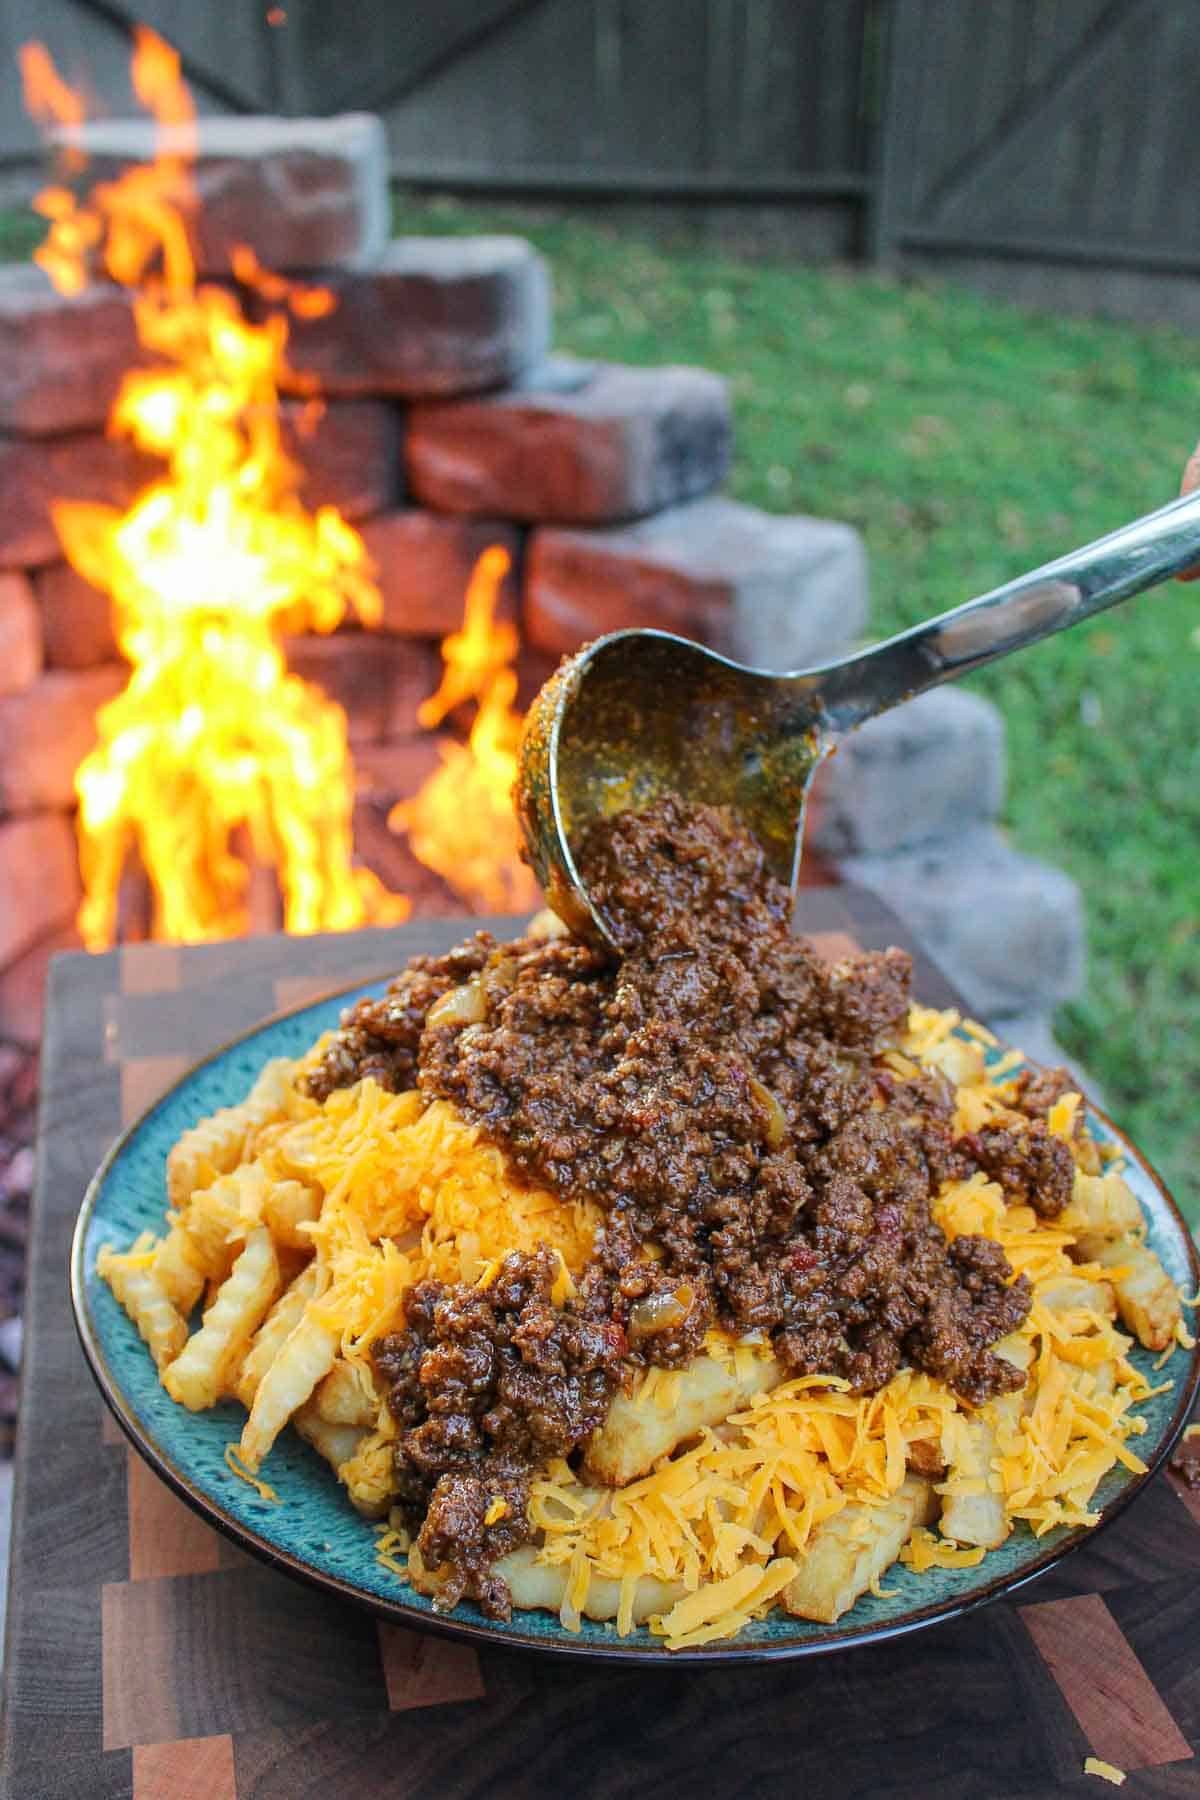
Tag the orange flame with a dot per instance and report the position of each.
(461, 824)
(207, 569)
(48, 98)
(474, 656)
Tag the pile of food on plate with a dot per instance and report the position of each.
(666, 1287)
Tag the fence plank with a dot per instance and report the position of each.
(225, 50)
(90, 45)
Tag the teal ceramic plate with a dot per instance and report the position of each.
(317, 1536)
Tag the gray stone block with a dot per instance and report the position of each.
(62, 356)
(931, 767)
(303, 193)
(423, 563)
(433, 316)
(583, 443)
(778, 592)
(1007, 930)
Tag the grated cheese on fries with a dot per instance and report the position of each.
(308, 1223)
(1095, 1765)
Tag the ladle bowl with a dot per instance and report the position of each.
(640, 713)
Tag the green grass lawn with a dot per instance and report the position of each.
(969, 440)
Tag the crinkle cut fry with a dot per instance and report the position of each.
(1147, 1299)
(216, 1145)
(854, 1548)
(204, 1368)
(304, 1358)
(635, 1434)
(273, 1333)
(141, 1292)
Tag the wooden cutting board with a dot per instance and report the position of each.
(147, 1657)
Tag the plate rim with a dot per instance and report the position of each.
(480, 1633)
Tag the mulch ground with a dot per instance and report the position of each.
(18, 1114)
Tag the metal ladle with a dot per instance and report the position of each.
(639, 713)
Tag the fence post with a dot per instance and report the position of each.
(887, 40)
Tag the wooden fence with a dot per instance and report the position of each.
(1049, 147)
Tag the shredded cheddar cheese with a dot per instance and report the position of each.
(1095, 1765)
(235, 1465)
(927, 1028)
(412, 1191)
(925, 1551)
(1060, 1120)
(392, 1543)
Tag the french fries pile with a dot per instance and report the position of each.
(235, 1241)
(285, 1223)
(710, 1494)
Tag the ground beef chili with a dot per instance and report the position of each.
(380, 1037)
(487, 1385)
(718, 1092)
(1034, 1168)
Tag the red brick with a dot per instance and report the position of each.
(396, 769)
(534, 669)
(782, 592)
(41, 889)
(423, 563)
(304, 192)
(46, 732)
(434, 315)
(583, 443)
(33, 473)
(378, 681)
(23, 987)
(20, 634)
(350, 452)
(388, 854)
(77, 628)
(62, 356)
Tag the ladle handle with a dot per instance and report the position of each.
(1033, 606)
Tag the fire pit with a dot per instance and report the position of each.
(205, 467)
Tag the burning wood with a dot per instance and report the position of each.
(462, 823)
(207, 568)
(216, 761)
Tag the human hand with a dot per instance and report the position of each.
(1191, 481)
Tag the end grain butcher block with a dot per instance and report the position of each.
(147, 1657)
